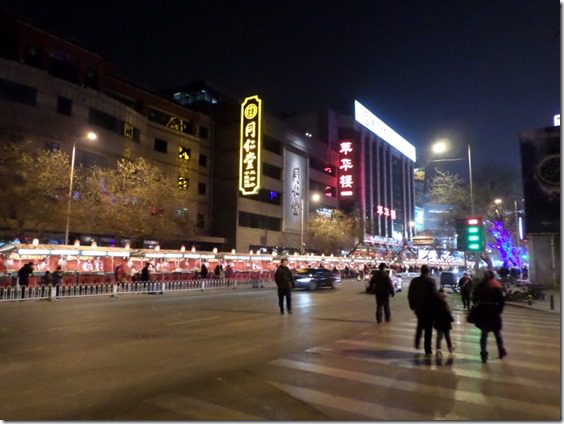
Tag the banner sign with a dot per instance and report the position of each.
(250, 148)
(347, 169)
(540, 160)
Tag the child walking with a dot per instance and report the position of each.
(443, 322)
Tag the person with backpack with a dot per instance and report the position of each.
(381, 286)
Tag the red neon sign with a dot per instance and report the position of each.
(346, 167)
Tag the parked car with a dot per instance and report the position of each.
(314, 278)
(397, 281)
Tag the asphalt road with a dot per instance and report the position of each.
(230, 355)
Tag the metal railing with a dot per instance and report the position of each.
(117, 289)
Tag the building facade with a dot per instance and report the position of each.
(52, 92)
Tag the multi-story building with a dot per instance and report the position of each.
(52, 92)
(375, 170)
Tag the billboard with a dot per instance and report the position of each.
(295, 190)
(540, 161)
(250, 146)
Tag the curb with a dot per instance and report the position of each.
(519, 305)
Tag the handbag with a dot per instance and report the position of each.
(472, 316)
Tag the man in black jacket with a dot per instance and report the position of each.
(381, 285)
(285, 282)
(421, 293)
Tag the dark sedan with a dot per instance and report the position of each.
(314, 278)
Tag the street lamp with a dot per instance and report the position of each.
(91, 136)
(315, 197)
(440, 147)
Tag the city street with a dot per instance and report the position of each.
(230, 355)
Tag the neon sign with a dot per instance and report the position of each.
(250, 148)
(387, 212)
(346, 166)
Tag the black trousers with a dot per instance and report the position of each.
(285, 293)
(465, 299)
(446, 334)
(424, 324)
(383, 303)
(484, 340)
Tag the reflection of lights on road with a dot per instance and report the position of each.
(305, 301)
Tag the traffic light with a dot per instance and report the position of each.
(474, 239)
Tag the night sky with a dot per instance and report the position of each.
(479, 71)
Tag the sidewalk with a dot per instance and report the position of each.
(542, 305)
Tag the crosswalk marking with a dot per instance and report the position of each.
(447, 393)
(431, 365)
(200, 410)
(368, 409)
(529, 364)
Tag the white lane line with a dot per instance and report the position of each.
(430, 364)
(199, 410)
(532, 365)
(367, 409)
(484, 401)
(192, 321)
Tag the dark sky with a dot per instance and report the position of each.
(478, 70)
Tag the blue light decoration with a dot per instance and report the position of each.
(510, 255)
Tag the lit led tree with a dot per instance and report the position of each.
(509, 254)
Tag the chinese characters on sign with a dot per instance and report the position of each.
(387, 212)
(249, 157)
(346, 166)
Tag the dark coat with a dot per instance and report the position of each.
(24, 273)
(421, 294)
(443, 316)
(381, 284)
(284, 278)
(488, 298)
(145, 273)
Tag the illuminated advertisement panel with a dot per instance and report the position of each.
(366, 118)
(295, 190)
(347, 167)
(250, 148)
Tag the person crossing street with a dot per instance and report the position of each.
(382, 287)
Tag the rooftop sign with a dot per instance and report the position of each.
(366, 118)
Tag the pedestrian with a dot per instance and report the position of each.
(420, 295)
(204, 271)
(47, 279)
(57, 279)
(465, 287)
(381, 285)
(145, 275)
(285, 282)
(443, 322)
(23, 276)
(489, 301)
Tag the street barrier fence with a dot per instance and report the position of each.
(49, 292)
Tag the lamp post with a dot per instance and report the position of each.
(90, 135)
(440, 147)
(315, 197)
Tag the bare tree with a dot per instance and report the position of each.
(331, 234)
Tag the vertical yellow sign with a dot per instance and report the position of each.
(250, 149)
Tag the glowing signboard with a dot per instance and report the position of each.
(382, 210)
(366, 118)
(250, 149)
(556, 119)
(346, 167)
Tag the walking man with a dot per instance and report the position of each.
(381, 285)
(285, 282)
(421, 295)
(465, 287)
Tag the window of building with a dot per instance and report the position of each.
(161, 145)
(253, 220)
(271, 145)
(104, 120)
(265, 196)
(64, 106)
(203, 161)
(19, 93)
(183, 183)
(89, 159)
(201, 188)
(61, 65)
(184, 153)
(170, 121)
(204, 132)
(271, 171)
(200, 220)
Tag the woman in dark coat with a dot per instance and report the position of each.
(443, 322)
(488, 298)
